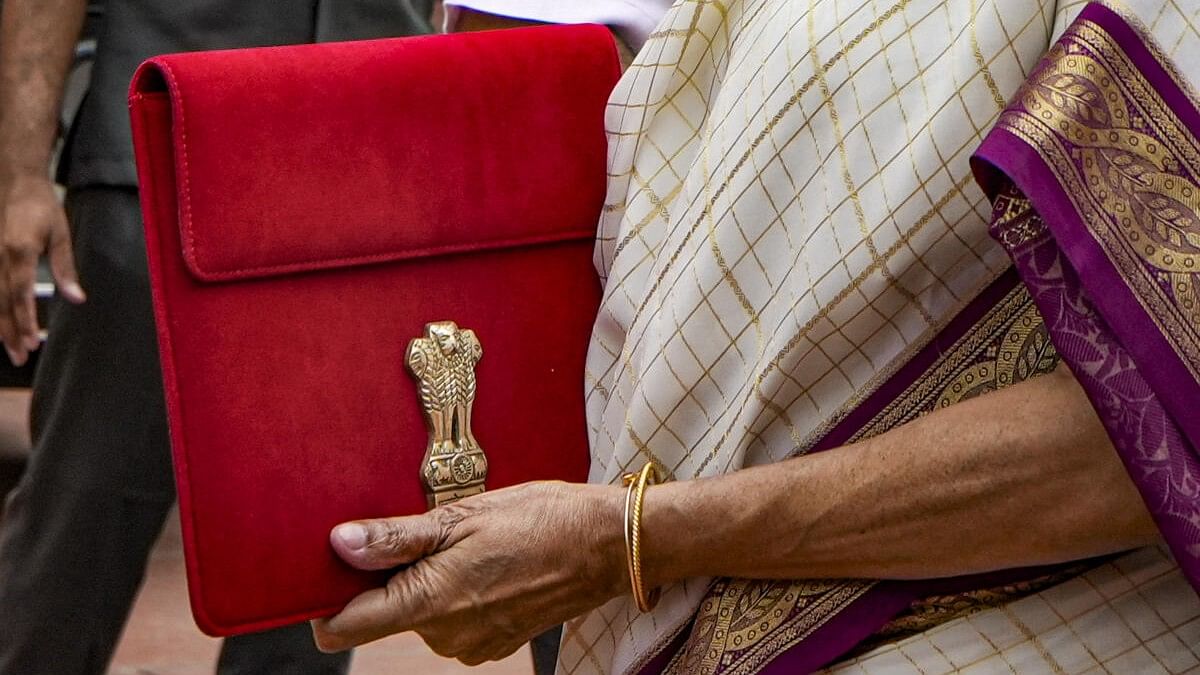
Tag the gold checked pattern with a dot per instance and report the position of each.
(1132, 615)
(742, 624)
(790, 217)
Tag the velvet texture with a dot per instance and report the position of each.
(308, 209)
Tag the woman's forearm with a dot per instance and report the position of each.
(1021, 476)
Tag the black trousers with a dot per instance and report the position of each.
(79, 526)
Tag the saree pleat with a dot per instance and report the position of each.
(795, 259)
(750, 626)
(1094, 176)
(1092, 172)
(785, 228)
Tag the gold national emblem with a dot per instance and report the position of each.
(443, 363)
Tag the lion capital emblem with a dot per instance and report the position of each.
(443, 363)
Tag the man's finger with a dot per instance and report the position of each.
(32, 340)
(11, 344)
(387, 542)
(21, 271)
(62, 264)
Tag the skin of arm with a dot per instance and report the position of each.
(37, 41)
(1021, 476)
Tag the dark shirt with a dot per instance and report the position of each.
(100, 150)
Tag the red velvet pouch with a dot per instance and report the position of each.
(308, 210)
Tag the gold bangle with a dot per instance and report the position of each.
(637, 483)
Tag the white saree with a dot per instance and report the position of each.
(790, 216)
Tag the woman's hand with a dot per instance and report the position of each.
(486, 574)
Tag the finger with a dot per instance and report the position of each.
(21, 273)
(62, 264)
(507, 650)
(9, 328)
(23, 311)
(331, 642)
(372, 615)
(473, 659)
(8, 332)
(33, 339)
(384, 543)
(492, 651)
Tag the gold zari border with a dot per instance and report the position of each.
(1128, 165)
(743, 624)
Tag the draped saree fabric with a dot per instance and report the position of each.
(796, 256)
(1094, 173)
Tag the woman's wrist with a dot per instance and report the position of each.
(693, 528)
(687, 528)
(605, 529)
(667, 535)
(732, 525)
(670, 549)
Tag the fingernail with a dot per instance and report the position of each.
(16, 359)
(353, 537)
(73, 292)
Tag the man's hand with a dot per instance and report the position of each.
(37, 40)
(32, 222)
(482, 576)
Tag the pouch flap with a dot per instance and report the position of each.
(359, 152)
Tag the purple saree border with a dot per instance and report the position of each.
(868, 614)
(910, 372)
(1138, 335)
(831, 640)
(1003, 157)
(865, 615)
(1007, 155)
(1099, 277)
(1128, 367)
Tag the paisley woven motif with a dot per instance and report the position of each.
(1134, 168)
